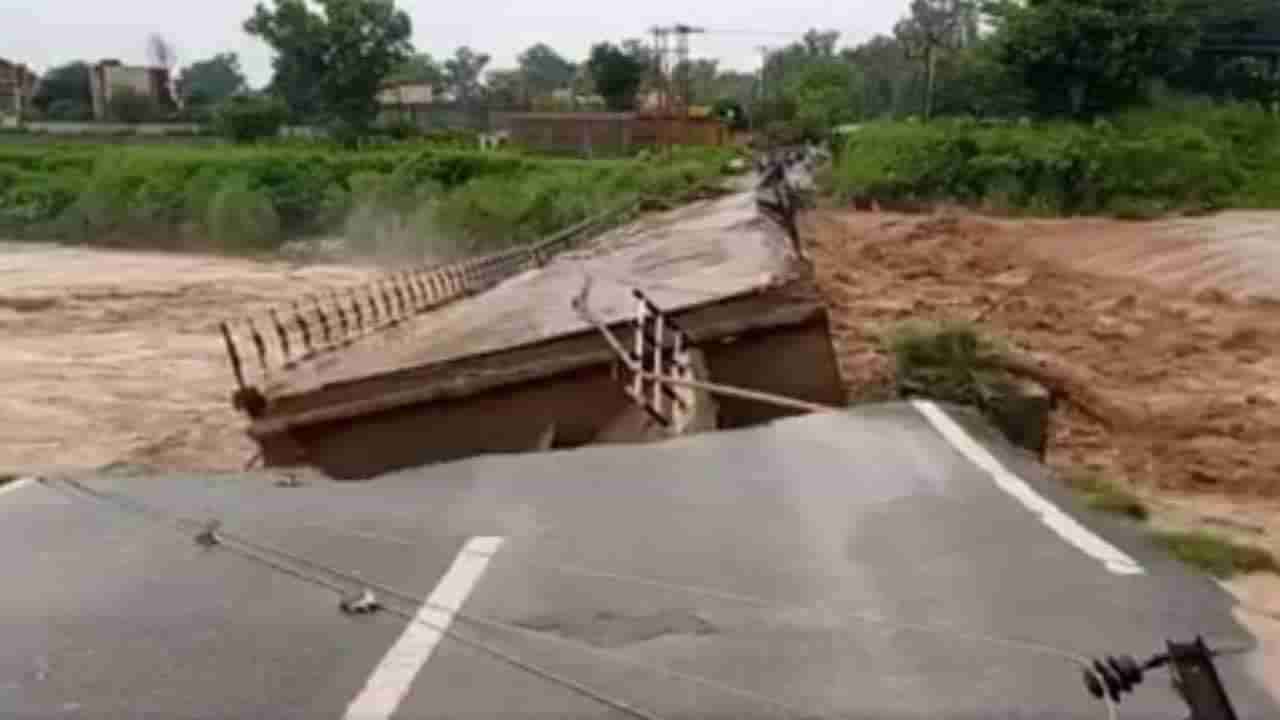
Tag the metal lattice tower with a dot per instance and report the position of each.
(666, 66)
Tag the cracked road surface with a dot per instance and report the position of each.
(847, 565)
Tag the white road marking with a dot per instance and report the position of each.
(391, 679)
(14, 485)
(1065, 526)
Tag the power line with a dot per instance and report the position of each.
(741, 31)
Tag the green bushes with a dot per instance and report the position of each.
(944, 361)
(241, 217)
(251, 119)
(1138, 165)
(255, 197)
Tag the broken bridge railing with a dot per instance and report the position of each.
(660, 348)
(327, 321)
(658, 368)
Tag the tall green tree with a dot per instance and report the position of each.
(67, 87)
(820, 43)
(507, 89)
(462, 74)
(617, 75)
(545, 70)
(780, 65)
(1239, 43)
(1082, 57)
(208, 82)
(931, 28)
(825, 93)
(297, 36)
(334, 60)
(892, 82)
(697, 79)
(737, 86)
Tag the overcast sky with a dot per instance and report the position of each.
(43, 33)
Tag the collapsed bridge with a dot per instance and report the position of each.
(489, 355)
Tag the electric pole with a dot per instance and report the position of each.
(665, 66)
(764, 70)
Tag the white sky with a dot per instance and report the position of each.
(44, 33)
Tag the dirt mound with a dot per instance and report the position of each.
(1197, 371)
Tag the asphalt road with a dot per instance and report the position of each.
(851, 565)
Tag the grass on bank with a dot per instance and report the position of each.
(1215, 555)
(949, 362)
(1106, 496)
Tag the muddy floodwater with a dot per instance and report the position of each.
(115, 357)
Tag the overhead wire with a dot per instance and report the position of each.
(262, 554)
(1072, 656)
(245, 550)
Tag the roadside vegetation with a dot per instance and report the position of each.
(949, 362)
(1106, 496)
(255, 198)
(1188, 156)
(1217, 556)
(1061, 107)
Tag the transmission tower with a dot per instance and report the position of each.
(665, 66)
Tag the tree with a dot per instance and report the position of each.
(819, 43)
(462, 74)
(65, 110)
(1249, 79)
(212, 81)
(617, 75)
(780, 65)
(697, 79)
(334, 61)
(890, 78)
(418, 69)
(738, 86)
(298, 37)
(67, 87)
(507, 89)
(1231, 31)
(931, 27)
(1101, 52)
(972, 82)
(825, 93)
(544, 70)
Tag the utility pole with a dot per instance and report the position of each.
(665, 66)
(682, 33)
(764, 69)
(661, 47)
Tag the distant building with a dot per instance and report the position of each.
(17, 87)
(407, 94)
(111, 76)
(427, 108)
(606, 133)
